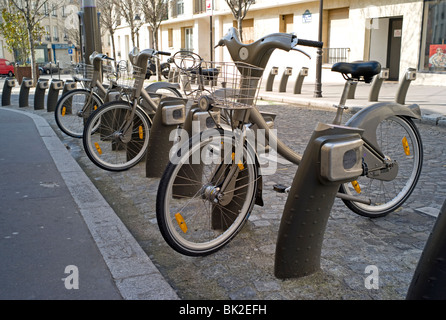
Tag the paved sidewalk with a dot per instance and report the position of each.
(123, 264)
(52, 218)
(431, 99)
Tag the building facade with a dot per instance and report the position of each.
(400, 34)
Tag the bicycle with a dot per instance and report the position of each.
(116, 136)
(74, 107)
(200, 209)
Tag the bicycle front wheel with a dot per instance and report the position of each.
(206, 193)
(73, 109)
(400, 142)
(115, 141)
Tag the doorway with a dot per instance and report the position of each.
(394, 47)
(385, 44)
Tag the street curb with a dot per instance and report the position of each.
(135, 275)
(435, 119)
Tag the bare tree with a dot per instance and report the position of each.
(131, 11)
(155, 11)
(239, 10)
(31, 10)
(109, 19)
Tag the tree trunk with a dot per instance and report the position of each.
(240, 28)
(33, 56)
(113, 47)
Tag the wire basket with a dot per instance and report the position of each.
(130, 79)
(230, 85)
(82, 71)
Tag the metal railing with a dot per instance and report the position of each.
(333, 55)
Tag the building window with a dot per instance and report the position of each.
(187, 38)
(433, 42)
(170, 37)
(180, 7)
(47, 33)
(55, 33)
(54, 10)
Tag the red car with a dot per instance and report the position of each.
(6, 67)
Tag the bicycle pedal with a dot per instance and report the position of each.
(280, 188)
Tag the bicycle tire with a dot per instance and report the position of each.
(211, 221)
(105, 143)
(71, 113)
(387, 196)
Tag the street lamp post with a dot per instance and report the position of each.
(318, 85)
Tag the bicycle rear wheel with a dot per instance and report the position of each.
(399, 141)
(112, 140)
(73, 109)
(206, 193)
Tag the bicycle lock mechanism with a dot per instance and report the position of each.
(332, 157)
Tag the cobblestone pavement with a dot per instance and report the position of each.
(244, 269)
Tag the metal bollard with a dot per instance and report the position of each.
(377, 83)
(333, 156)
(409, 76)
(429, 279)
(53, 94)
(24, 92)
(170, 113)
(39, 95)
(300, 80)
(6, 93)
(270, 81)
(284, 80)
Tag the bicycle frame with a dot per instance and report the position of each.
(258, 54)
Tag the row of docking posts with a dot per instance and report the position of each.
(409, 76)
(54, 86)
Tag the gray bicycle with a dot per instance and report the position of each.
(206, 195)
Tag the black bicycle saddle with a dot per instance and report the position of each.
(358, 70)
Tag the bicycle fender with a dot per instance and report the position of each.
(370, 117)
(157, 85)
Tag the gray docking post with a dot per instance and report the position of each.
(377, 83)
(6, 93)
(39, 95)
(170, 113)
(333, 156)
(24, 92)
(409, 76)
(53, 94)
(271, 76)
(284, 80)
(300, 80)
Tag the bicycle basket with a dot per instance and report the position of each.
(130, 79)
(82, 71)
(230, 85)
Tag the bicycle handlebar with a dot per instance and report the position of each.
(140, 58)
(259, 52)
(310, 43)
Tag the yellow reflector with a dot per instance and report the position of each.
(181, 222)
(64, 110)
(355, 185)
(240, 165)
(98, 147)
(95, 107)
(141, 132)
(406, 146)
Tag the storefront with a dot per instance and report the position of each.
(433, 40)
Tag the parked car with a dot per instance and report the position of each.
(6, 67)
(49, 68)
